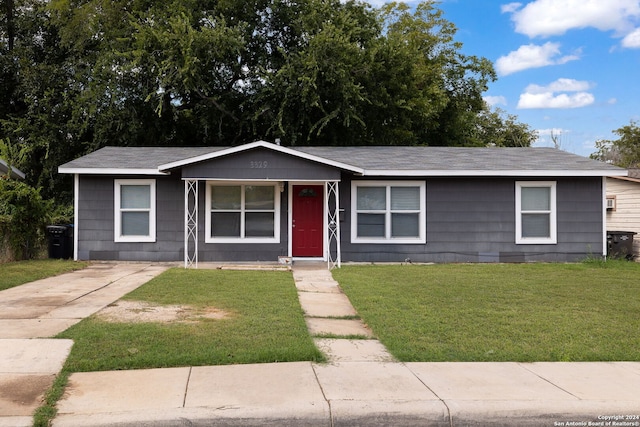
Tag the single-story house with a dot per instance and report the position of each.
(623, 210)
(261, 201)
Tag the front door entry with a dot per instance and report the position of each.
(307, 220)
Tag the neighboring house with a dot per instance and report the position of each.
(261, 201)
(623, 207)
(15, 173)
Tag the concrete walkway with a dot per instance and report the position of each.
(329, 313)
(43, 309)
(361, 385)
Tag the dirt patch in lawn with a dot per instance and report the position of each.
(140, 311)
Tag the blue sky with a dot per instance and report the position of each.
(571, 67)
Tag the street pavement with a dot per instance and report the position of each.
(361, 385)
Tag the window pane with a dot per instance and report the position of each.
(405, 198)
(536, 225)
(135, 223)
(225, 198)
(371, 225)
(405, 225)
(536, 198)
(258, 224)
(135, 196)
(372, 198)
(258, 197)
(225, 224)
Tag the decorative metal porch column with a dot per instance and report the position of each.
(190, 223)
(333, 224)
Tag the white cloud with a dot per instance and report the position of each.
(555, 17)
(510, 8)
(532, 56)
(632, 40)
(555, 95)
(495, 100)
(560, 85)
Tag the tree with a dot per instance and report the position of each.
(83, 74)
(624, 151)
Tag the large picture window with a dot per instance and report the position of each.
(536, 212)
(388, 212)
(135, 210)
(244, 213)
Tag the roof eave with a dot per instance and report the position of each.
(523, 173)
(111, 171)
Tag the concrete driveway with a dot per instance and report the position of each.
(41, 309)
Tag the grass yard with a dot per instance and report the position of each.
(21, 272)
(264, 324)
(500, 312)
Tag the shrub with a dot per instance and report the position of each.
(23, 218)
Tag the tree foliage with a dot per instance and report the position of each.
(624, 151)
(23, 216)
(81, 74)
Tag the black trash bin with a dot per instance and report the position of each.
(60, 241)
(620, 244)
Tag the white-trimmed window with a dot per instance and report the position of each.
(135, 210)
(242, 213)
(388, 212)
(536, 212)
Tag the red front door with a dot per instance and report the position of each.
(307, 221)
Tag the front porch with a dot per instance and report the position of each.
(311, 209)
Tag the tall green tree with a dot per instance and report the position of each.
(82, 74)
(624, 151)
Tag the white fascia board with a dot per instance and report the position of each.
(260, 144)
(549, 173)
(111, 171)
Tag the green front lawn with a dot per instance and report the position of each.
(264, 324)
(500, 312)
(21, 272)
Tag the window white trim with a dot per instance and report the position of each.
(552, 239)
(388, 239)
(242, 239)
(118, 237)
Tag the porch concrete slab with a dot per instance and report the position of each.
(485, 381)
(371, 381)
(337, 327)
(21, 394)
(343, 350)
(592, 380)
(33, 356)
(325, 304)
(259, 391)
(124, 391)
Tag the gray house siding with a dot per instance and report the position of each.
(96, 222)
(468, 220)
(260, 164)
(473, 220)
(96, 226)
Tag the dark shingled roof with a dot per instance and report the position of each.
(370, 158)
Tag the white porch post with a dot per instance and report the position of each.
(190, 223)
(333, 224)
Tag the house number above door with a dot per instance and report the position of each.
(258, 164)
